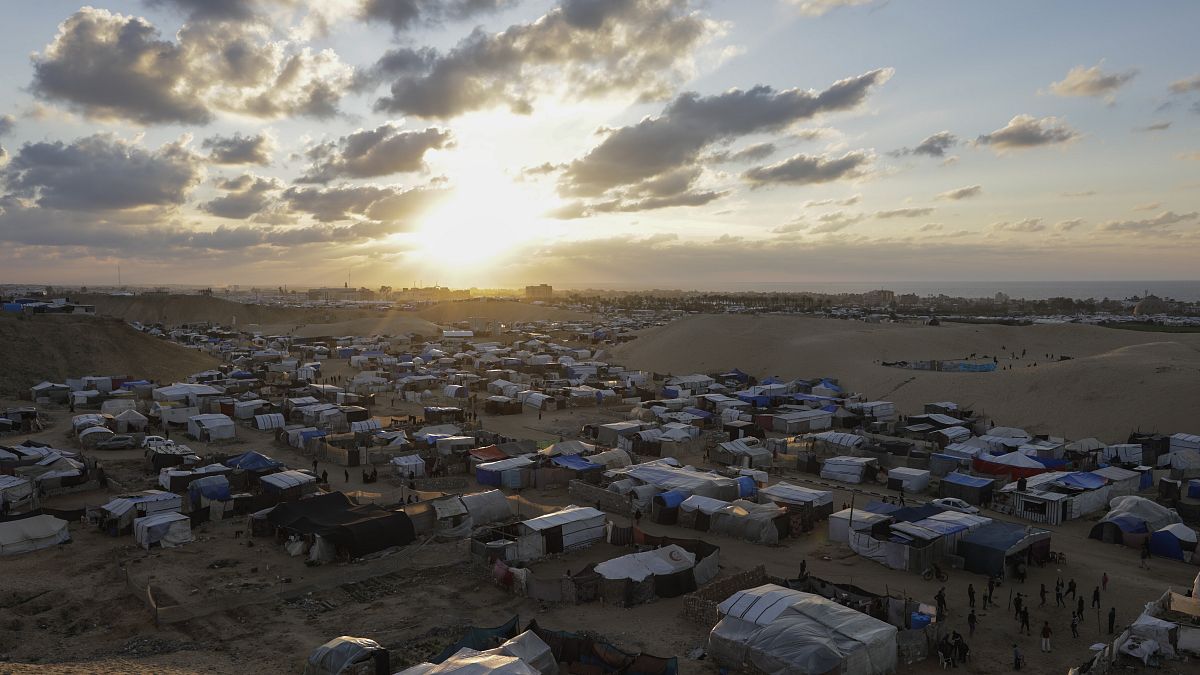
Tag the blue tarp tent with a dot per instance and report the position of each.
(575, 463)
(1050, 463)
(772, 380)
(756, 401)
(1193, 488)
(830, 385)
(942, 527)
(881, 508)
(747, 488)
(670, 392)
(1173, 541)
(985, 550)
(698, 413)
(672, 498)
(253, 461)
(911, 514)
(215, 488)
(1083, 481)
(1113, 530)
(970, 489)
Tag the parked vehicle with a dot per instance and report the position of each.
(954, 504)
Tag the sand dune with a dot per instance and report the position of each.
(1117, 381)
(55, 347)
(507, 311)
(392, 323)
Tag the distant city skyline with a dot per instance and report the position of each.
(713, 145)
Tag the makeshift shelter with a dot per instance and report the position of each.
(571, 447)
(908, 480)
(509, 473)
(1156, 516)
(406, 465)
(289, 484)
(355, 530)
(348, 656)
(254, 462)
(663, 568)
(772, 629)
(31, 534)
(211, 427)
(852, 470)
(611, 459)
(490, 506)
(130, 421)
(1121, 529)
(1014, 464)
(842, 522)
(202, 491)
(165, 529)
(525, 654)
(756, 523)
(269, 421)
(970, 489)
(118, 514)
(1176, 541)
(989, 549)
(570, 528)
(17, 493)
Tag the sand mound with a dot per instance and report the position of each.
(1117, 381)
(49, 347)
(507, 311)
(391, 323)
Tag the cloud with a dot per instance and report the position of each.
(808, 170)
(403, 15)
(791, 228)
(220, 10)
(1150, 206)
(751, 153)
(1186, 85)
(822, 7)
(933, 146)
(931, 227)
(345, 202)
(1081, 81)
(1158, 224)
(238, 149)
(965, 192)
(109, 66)
(905, 213)
(7, 124)
(1026, 131)
(102, 172)
(1157, 126)
(371, 153)
(1082, 193)
(245, 196)
(1068, 225)
(1027, 225)
(1189, 155)
(585, 48)
(836, 221)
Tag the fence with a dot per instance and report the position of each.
(590, 495)
(701, 606)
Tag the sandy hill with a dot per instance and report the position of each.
(1117, 380)
(50, 347)
(390, 323)
(506, 311)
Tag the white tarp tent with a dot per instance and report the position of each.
(638, 566)
(406, 464)
(165, 529)
(787, 493)
(525, 654)
(780, 631)
(908, 480)
(845, 469)
(32, 534)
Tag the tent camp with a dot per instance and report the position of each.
(504, 473)
(988, 549)
(31, 534)
(1176, 541)
(166, 529)
(772, 629)
(572, 527)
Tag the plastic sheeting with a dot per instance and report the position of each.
(747, 520)
(32, 534)
(338, 654)
(166, 529)
(780, 631)
(639, 566)
(1156, 516)
(787, 493)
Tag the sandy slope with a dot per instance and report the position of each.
(1117, 381)
(55, 347)
(498, 310)
(391, 323)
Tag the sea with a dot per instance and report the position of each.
(1187, 291)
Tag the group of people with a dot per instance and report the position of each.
(1062, 590)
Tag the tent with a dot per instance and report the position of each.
(31, 534)
(567, 448)
(665, 561)
(255, 462)
(787, 494)
(357, 530)
(908, 480)
(504, 473)
(575, 463)
(846, 469)
(756, 523)
(1176, 541)
(567, 529)
(487, 507)
(16, 492)
(970, 489)
(269, 421)
(289, 483)
(772, 629)
(210, 488)
(166, 529)
(1118, 530)
(344, 655)
(843, 521)
(987, 549)
(1014, 464)
(1156, 516)
(406, 464)
(525, 654)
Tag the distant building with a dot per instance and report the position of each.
(909, 299)
(880, 297)
(1002, 298)
(539, 292)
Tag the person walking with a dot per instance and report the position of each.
(1079, 609)
(1104, 582)
(972, 620)
(1074, 625)
(1096, 597)
(1017, 602)
(971, 596)
(1046, 633)
(1058, 594)
(941, 602)
(1112, 619)
(1070, 589)
(347, 475)
(1025, 622)
(1018, 659)
(1042, 593)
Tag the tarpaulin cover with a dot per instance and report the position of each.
(253, 461)
(911, 514)
(480, 639)
(747, 488)
(1083, 481)
(638, 566)
(31, 534)
(334, 656)
(1156, 516)
(967, 480)
(1172, 541)
(672, 498)
(215, 488)
(778, 630)
(358, 529)
(601, 657)
(788, 493)
(984, 550)
(575, 463)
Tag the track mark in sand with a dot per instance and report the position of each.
(896, 388)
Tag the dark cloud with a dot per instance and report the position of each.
(676, 139)
(905, 213)
(238, 149)
(751, 153)
(7, 124)
(403, 15)
(102, 172)
(1156, 225)
(203, 10)
(590, 48)
(245, 196)
(1092, 81)
(108, 66)
(966, 192)
(933, 146)
(346, 202)
(372, 153)
(809, 170)
(1157, 126)
(1026, 131)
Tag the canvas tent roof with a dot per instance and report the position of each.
(638, 566)
(358, 529)
(795, 494)
(567, 448)
(1156, 516)
(340, 653)
(569, 514)
(31, 534)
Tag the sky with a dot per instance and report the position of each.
(701, 144)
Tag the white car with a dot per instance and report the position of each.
(953, 504)
(156, 442)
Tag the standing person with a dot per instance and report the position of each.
(941, 601)
(1018, 660)
(325, 477)
(971, 622)
(347, 475)
(1058, 594)
(991, 585)
(971, 596)
(1112, 619)
(1079, 608)
(1046, 633)
(1104, 582)
(1042, 593)
(1017, 602)
(1025, 622)
(1096, 597)
(314, 466)
(1074, 625)
(1071, 589)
